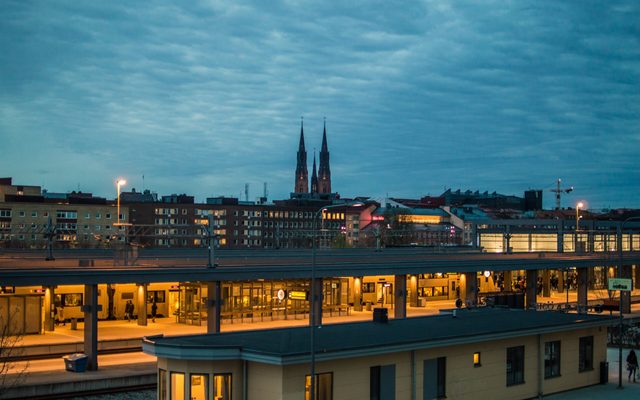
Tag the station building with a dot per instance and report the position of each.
(469, 354)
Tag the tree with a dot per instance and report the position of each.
(11, 372)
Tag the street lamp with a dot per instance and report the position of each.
(312, 315)
(119, 184)
(578, 207)
(621, 318)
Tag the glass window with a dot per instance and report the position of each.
(34, 213)
(323, 387)
(476, 359)
(382, 383)
(515, 365)
(442, 377)
(222, 387)
(552, 359)
(177, 386)
(198, 388)
(586, 354)
(162, 384)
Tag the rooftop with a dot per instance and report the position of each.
(291, 345)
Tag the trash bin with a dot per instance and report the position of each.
(368, 306)
(74, 324)
(604, 372)
(76, 362)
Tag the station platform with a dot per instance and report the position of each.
(46, 379)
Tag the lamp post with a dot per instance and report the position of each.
(312, 302)
(578, 207)
(621, 317)
(119, 184)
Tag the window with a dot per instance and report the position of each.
(68, 299)
(97, 215)
(515, 365)
(5, 213)
(177, 386)
(155, 295)
(34, 213)
(552, 359)
(323, 387)
(162, 384)
(442, 377)
(20, 213)
(107, 216)
(369, 287)
(87, 215)
(586, 354)
(222, 387)
(476, 359)
(198, 389)
(66, 214)
(382, 383)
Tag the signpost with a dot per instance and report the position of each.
(621, 284)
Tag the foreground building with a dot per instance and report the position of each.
(471, 354)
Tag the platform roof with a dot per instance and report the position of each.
(284, 265)
(337, 341)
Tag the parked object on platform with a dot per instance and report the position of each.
(76, 362)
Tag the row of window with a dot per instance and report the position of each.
(198, 387)
(515, 360)
(59, 214)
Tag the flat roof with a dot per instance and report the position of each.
(291, 345)
(180, 266)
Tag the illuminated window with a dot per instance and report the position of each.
(222, 387)
(323, 386)
(476, 359)
(177, 386)
(198, 389)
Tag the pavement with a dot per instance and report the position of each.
(629, 391)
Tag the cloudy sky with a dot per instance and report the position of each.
(202, 98)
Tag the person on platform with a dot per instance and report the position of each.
(127, 310)
(632, 365)
(154, 310)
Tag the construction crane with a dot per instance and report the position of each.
(558, 191)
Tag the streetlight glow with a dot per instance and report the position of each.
(119, 183)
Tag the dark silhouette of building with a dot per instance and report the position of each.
(320, 181)
(302, 175)
(314, 177)
(324, 172)
(533, 200)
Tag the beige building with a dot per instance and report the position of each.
(26, 224)
(477, 353)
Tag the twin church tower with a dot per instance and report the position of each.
(320, 182)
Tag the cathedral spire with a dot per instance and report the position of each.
(314, 176)
(302, 175)
(324, 171)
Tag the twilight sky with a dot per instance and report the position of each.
(483, 95)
